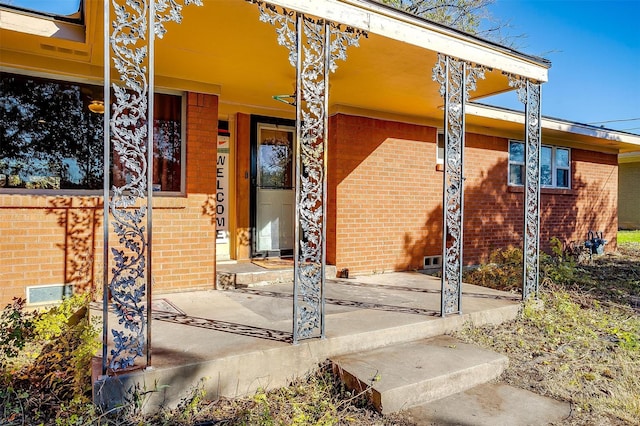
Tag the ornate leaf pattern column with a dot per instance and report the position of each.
(314, 46)
(128, 147)
(457, 78)
(529, 93)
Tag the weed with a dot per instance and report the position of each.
(49, 378)
(576, 343)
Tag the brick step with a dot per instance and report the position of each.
(410, 374)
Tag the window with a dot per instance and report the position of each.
(440, 148)
(51, 137)
(275, 157)
(555, 165)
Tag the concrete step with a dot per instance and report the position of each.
(257, 277)
(492, 404)
(405, 375)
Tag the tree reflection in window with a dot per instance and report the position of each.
(49, 139)
(275, 159)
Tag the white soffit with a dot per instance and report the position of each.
(548, 123)
(378, 19)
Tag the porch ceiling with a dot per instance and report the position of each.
(223, 47)
(224, 43)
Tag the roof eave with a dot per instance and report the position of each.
(395, 24)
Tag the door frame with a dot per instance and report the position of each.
(256, 120)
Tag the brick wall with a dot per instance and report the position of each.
(382, 182)
(385, 197)
(58, 239)
(591, 204)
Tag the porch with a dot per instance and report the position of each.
(240, 339)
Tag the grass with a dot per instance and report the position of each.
(581, 341)
(629, 237)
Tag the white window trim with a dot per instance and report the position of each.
(554, 167)
(100, 192)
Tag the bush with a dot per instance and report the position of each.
(16, 329)
(48, 377)
(503, 272)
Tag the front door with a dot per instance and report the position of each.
(274, 183)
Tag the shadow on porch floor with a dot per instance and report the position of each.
(241, 338)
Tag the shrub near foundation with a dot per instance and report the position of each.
(48, 377)
(502, 272)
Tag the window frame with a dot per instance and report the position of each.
(554, 167)
(100, 192)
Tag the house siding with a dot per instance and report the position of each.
(629, 176)
(53, 240)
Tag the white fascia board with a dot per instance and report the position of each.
(497, 113)
(377, 19)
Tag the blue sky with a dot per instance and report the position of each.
(594, 47)
(59, 7)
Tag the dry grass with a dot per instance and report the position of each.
(580, 342)
(318, 399)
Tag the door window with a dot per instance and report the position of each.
(275, 159)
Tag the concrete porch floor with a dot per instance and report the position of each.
(241, 339)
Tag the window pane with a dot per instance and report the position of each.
(562, 157)
(516, 152)
(167, 143)
(49, 139)
(440, 151)
(516, 174)
(275, 155)
(562, 178)
(545, 166)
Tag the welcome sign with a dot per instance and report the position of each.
(222, 187)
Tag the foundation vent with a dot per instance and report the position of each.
(48, 293)
(432, 262)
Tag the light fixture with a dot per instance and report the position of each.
(96, 107)
(287, 99)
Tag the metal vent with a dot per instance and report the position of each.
(432, 262)
(48, 293)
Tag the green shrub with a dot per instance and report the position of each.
(53, 380)
(16, 329)
(503, 272)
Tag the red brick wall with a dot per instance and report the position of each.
(385, 197)
(493, 215)
(592, 203)
(381, 183)
(58, 239)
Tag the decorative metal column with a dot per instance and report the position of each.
(529, 93)
(128, 162)
(456, 78)
(314, 46)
